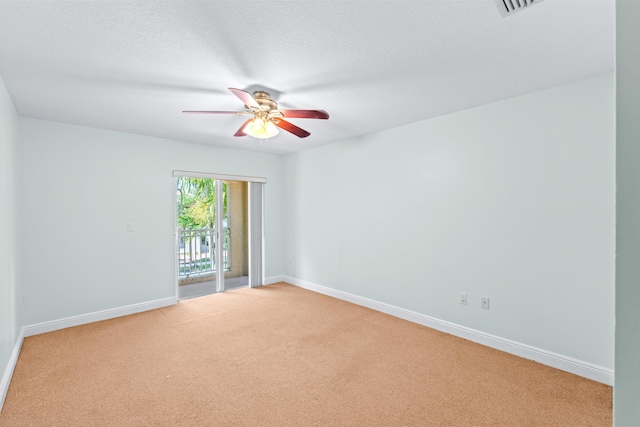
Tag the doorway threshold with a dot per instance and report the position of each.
(195, 290)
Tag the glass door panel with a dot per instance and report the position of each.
(196, 234)
(236, 235)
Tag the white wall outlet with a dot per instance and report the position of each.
(484, 303)
(129, 228)
(462, 298)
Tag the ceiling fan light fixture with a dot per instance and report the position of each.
(265, 117)
(261, 129)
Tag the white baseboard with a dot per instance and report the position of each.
(274, 279)
(558, 361)
(54, 325)
(8, 372)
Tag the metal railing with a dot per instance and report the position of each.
(196, 252)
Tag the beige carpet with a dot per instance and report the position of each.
(280, 355)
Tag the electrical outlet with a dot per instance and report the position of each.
(462, 298)
(484, 303)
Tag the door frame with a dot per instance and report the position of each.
(219, 218)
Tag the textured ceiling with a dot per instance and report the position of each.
(133, 66)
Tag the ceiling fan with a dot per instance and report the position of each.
(265, 117)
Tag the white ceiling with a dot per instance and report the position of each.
(133, 66)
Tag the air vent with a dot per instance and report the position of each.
(509, 7)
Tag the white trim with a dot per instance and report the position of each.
(263, 249)
(176, 238)
(224, 177)
(218, 239)
(558, 361)
(274, 279)
(54, 325)
(8, 372)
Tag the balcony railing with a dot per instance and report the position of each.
(196, 254)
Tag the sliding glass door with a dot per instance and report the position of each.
(218, 239)
(235, 236)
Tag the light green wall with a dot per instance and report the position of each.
(627, 363)
(8, 314)
(80, 187)
(512, 200)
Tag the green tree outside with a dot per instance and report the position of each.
(197, 202)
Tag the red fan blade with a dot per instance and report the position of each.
(305, 114)
(290, 127)
(245, 97)
(240, 132)
(210, 112)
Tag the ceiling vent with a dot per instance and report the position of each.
(509, 7)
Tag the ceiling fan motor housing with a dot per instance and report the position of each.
(265, 102)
